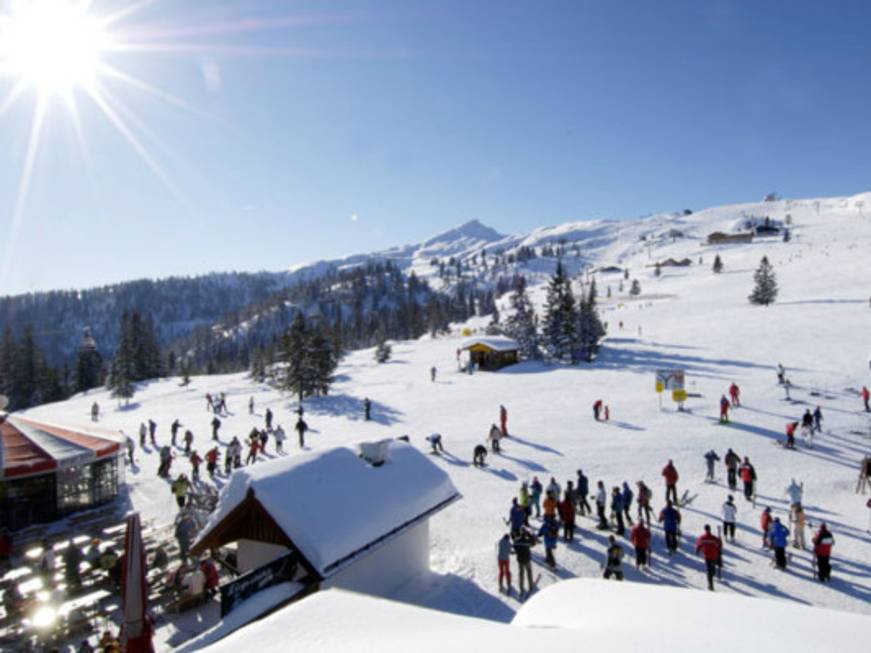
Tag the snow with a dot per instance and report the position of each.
(598, 613)
(496, 343)
(690, 319)
(340, 503)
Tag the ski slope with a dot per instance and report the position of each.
(687, 318)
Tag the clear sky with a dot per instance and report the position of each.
(303, 130)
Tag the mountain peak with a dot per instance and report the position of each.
(473, 230)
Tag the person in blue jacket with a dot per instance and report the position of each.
(670, 520)
(516, 517)
(778, 537)
(628, 495)
(535, 496)
(583, 489)
(549, 531)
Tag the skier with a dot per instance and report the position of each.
(794, 491)
(807, 424)
(818, 420)
(553, 488)
(823, 542)
(180, 488)
(535, 490)
(253, 448)
(435, 442)
(209, 403)
(790, 435)
(765, 521)
(143, 431)
(778, 536)
(228, 456)
(280, 437)
(669, 517)
(250, 405)
(479, 455)
(523, 551)
(195, 461)
(597, 409)
(583, 490)
(866, 396)
(301, 428)
(730, 517)
(614, 561)
(549, 532)
(709, 546)
(152, 429)
(640, 537)
(367, 409)
(748, 476)
(735, 395)
(724, 410)
(711, 457)
(131, 447)
(549, 504)
(264, 440)
(627, 496)
(566, 509)
(781, 374)
(494, 436)
(503, 557)
(617, 510)
(669, 473)
(268, 419)
(216, 424)
(432, 377)
(188, 441)
(731, 460)
(797, 521)
(864, 475)
(212, 461)
(601, 498)
(174, 427)
(644, 496)
(523, 500)
(516, 517)
(503, 420)
(95, 412)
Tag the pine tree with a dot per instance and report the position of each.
(590, 328)
(765, 290)
(7, 361)
(635, 288)
(25, 372)
(119, 381)
(521, 325)
(122, 371)
(383, 352)
(718, 265)
(560, 317)
(294, 353)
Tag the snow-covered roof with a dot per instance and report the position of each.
(333, 505)
(663, 619)
(496, 343)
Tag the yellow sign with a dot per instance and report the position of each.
(679, 395)
(466, 332)
(660, 385)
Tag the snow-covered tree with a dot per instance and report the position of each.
(718, 265)
(383, 352)
(522, 325)
(560, 334)
(765, 290)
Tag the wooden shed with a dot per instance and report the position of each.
(492, 352)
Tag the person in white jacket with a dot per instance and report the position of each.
(794, 491)
(730, 516)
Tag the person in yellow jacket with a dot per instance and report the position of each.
(180, 488)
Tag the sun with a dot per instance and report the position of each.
(52, 45)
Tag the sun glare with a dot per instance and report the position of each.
(52, 45)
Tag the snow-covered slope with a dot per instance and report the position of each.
(687, 318)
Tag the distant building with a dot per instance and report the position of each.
(492, 352)
(720, 238)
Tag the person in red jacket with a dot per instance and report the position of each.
(724, 410)
(566, 509)
(709, 546)
(669, 473)
(823, 543)
(765, 523)
(213, 580)
(212, 461)
(866, 395)
(735, 394)
(640, 538)
(790, 435)
(748, 476)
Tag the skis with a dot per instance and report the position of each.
(686, 499)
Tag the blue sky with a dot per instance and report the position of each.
(416, 116)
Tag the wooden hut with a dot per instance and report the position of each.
(492, 352)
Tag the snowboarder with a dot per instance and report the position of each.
(597, 409)
(765, 520)
(95, 412)
(790, 435)
(494, 436)
(866, 396)
(601, 498)
(724, 410)
(670, 518)
(778, 537)
(711, 458)
(614, 560)
(435, 441)
(640, 538)
(818, 420)
(432, 377)
(503, 557)
(301, 427)
(582, 490)
(268, 419)
(535, 490)
(566, 509)
(188, 441)
(523, 551)
(669, 473)
(823, 542)
(367, 409)
(748, 476)
(797, 521)
(152, 429)
(735, 395)
(503, 420)
(730, 517)
(174, 427)
(627, 496)
(549, 531)
(709, 545)
(216, 425)
(732, 460)
(280, 437)
(479, 454)
(250, 405)
(645, 495)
